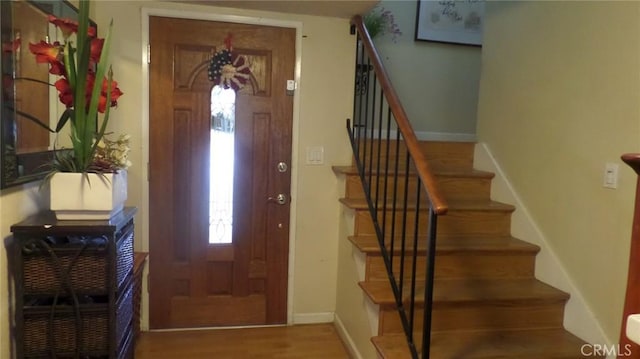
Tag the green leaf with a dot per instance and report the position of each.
(82, 56)
(97, 88)
(70, 65)
(31, 118)
(33, 80)
(103, 127)
(66, 115)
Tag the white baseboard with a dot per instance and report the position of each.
(436, 136)
(313, 318)
(346, 339)
(445, 136)
(578, 317)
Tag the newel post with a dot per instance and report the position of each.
(632, 298)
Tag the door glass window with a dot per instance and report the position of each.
(223, 108)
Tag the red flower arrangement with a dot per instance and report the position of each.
(53, 54)
(85, 87)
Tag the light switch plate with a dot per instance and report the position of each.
(610, 179)
(315, 155)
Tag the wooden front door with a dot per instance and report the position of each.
(194, 280)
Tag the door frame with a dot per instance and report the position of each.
(146, 13)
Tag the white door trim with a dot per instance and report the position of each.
(175, 13)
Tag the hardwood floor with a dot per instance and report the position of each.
(300, 341)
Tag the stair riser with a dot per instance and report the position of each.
(454, 223)
(441, 155)
(453, 188)
(480, 317)
(466, 265)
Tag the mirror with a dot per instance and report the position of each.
(27, 98)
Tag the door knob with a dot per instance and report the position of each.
(279, 199)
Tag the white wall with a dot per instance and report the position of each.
(560, 97)
(325, 101)
(437, 83)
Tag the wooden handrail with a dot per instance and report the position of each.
(436, 198)
(632, 297)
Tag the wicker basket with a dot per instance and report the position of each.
(56, 337)
(48, 334)
(86, 264)
(124, 259)
(124, 314)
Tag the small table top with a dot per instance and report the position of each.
(47, 222)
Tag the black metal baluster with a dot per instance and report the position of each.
(363, 79)
(385, 180)
(366, 127)
(429, 276)
(373, 121)
(395, 196)
(416, 231)
(356, 93)
(405, 201)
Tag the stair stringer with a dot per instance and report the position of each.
(356, 316)
(578, 317)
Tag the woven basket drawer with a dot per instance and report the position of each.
(46, 336)
(126, 350)
(84, 265)
(124, 258)
(124, 314)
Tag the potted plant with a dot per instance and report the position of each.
(380, 21)
(94, 166)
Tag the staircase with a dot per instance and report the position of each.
(486, 300)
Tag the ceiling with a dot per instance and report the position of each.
(333, 8)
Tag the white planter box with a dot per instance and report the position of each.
(75, 198)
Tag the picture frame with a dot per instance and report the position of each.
(450, 21)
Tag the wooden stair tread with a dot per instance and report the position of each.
(440, 172)
(459, 291)
(454, 244)
(454, 205)
(521, 344)
(439, 154)
(344, 170)
(472, 173)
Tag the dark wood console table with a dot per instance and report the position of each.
(74, 287)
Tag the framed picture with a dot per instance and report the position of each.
(452, 21)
